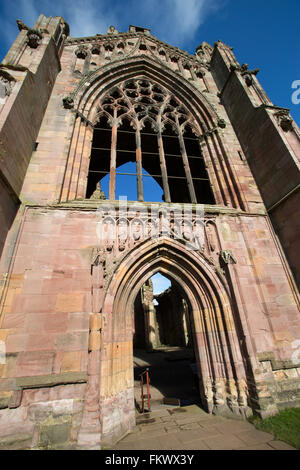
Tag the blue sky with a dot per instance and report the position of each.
(160, 283)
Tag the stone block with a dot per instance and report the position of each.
(5, 397)
(34, 363)
(39, 412)
(69, 302)
(71, 361)
(94, 341)
(95, 322)
(51, 380)
(73, 341)
(16, 442)
(55, 434)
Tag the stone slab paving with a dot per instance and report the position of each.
(191, 428)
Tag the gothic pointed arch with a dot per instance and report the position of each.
(219, 359)
(97, 82)
(216, 183)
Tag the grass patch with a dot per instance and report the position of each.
(285, 426)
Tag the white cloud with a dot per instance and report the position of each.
(173, 21)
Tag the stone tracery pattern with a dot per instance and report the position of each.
(111, 46)
(142, 100)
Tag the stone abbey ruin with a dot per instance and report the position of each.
(77, 262)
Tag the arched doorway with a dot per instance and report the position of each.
(222, 378)
(163, 345)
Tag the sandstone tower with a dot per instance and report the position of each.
(73, 110)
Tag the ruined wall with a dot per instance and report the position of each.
(257, 123)
(8, 208)
(27, 76)
(68, 378)
(48, 327)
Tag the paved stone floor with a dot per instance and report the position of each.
(191, 428)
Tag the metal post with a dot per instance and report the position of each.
(142, 393)
(148, 389)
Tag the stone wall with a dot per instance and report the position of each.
(50, 296)
(257, 122)
(67, 294)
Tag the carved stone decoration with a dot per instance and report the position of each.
(244, 68)
(142, 101)
(137, 230)
(21, 25)
(97, 271)
(108, 233)
(200, 72)
(112, 30)
(98, 194)
(247, 74)
(187, 231)
(284, 120)
(222, 123)
(211, 235)
(227, 257)
(248, 79)
(68, 102)
(95, 49)
(34, 38)
(65, 29)
(122, 233)
(81, 52)
(6, 85)
(201, 55)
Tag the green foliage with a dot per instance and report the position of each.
(285, 426)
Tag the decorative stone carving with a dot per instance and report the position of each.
(81, 52)
(65, 28)
(98, 194)
(68, 102)
(6, 85)
(122, 233)
(136, 230)
(109, 232)
(21, 25)
(211, 236)
(227, 257)
(112, 30)
(200, 72)
(142, 101)
(95, 49)
(222, 123)
(201, 55)
(146, 44)
(34, 38)
(284, 120)
(247, 74)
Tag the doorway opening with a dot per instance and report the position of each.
(163, 343)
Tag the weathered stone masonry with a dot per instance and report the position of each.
(66, 308)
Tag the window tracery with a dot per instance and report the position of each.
(161, 137)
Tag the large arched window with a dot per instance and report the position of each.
(144, 133)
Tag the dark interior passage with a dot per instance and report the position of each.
(163, 342)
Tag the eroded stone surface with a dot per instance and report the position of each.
(67, 294)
